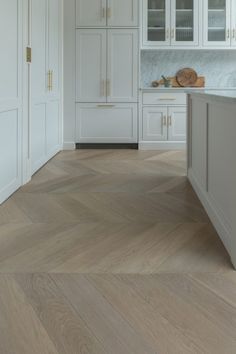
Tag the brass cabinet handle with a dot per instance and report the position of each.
(228, 34)
(170, 121)
(103, 12)
(233, 33)
(109, 12)
(164, 121)
(105, 105)
(103, 88)
(108, 88)
(49, 80)
(173, 33)
(167, 33)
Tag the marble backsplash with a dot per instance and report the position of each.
(219, 67)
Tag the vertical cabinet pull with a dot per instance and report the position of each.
(173, 33)
(108, 88)
(108, 12)
(103, 12)
(103, 88)
(169, 121)
(50, 80)
(228, 34)
(167, 33)
(164, 121)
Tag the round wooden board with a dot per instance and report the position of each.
(186, 77)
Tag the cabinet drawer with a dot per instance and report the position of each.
(164, 98)
(106, 123)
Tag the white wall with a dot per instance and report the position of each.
(69, 74)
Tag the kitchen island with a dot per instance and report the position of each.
(212, 159)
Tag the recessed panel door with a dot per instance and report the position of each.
(155, 123)
(91, 13)
(122, 65)
(122, 13)
(91, 82)
(177, 121)
(11, 67)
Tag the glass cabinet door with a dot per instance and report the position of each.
(217, 21)
(156, 22)
(184, 29)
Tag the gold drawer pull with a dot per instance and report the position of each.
(105, 105)
(167, 99)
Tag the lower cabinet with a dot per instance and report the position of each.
(163, 125)
(107, 123)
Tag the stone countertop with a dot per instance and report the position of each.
(224, 96)
(186, 89)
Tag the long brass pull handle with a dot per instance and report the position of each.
(228, 34)
(108, 88)
(103, 12)
(173, 33)
(103, 88)
(167, 99)
(49, 80)
(167, 33)
(233, 33)
(105, 105)
(169, 121)
(109, 12)
(164, 121)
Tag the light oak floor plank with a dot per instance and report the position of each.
(111, 252)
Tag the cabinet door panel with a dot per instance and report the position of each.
(216, 21)
(38, 136)
(122, 13)
(155, 123)
(122, 70)
(52, 127)
(90, 13)
(185, 23)
(54, 44)
(177, 123)
(233, 24)
(91, 65)
(106, 123)
(156, 23)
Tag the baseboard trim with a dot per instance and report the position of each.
(69, 146)
(98, 146)
(154, 145)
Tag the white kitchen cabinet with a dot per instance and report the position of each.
(177, 123)
(106, 123)
(217, 23)
(111, 13)
(122, 65)
(122, 13)
(155, 123)
(91, 63)
(45, 81)
(170, 23)
(107, 65)
(162, 119)
(91, 13)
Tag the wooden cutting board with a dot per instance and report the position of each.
(186, 77)
(199, 83)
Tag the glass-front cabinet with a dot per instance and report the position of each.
(217, 23)
(170, 22)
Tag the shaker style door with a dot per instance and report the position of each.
(217, 26)
(91, 13)
(11, 102)
(123, 13)
(91, 83)
(185, 23)
(156, 23)
(155, 123)
(177, 121)
(122, 65)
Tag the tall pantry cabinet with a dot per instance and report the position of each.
(46, 81)
(107, 53)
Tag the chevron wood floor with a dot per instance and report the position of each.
(111, 252)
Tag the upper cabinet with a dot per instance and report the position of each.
(170, 22)
(107, 13)
(217, 23)
(189, 23)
